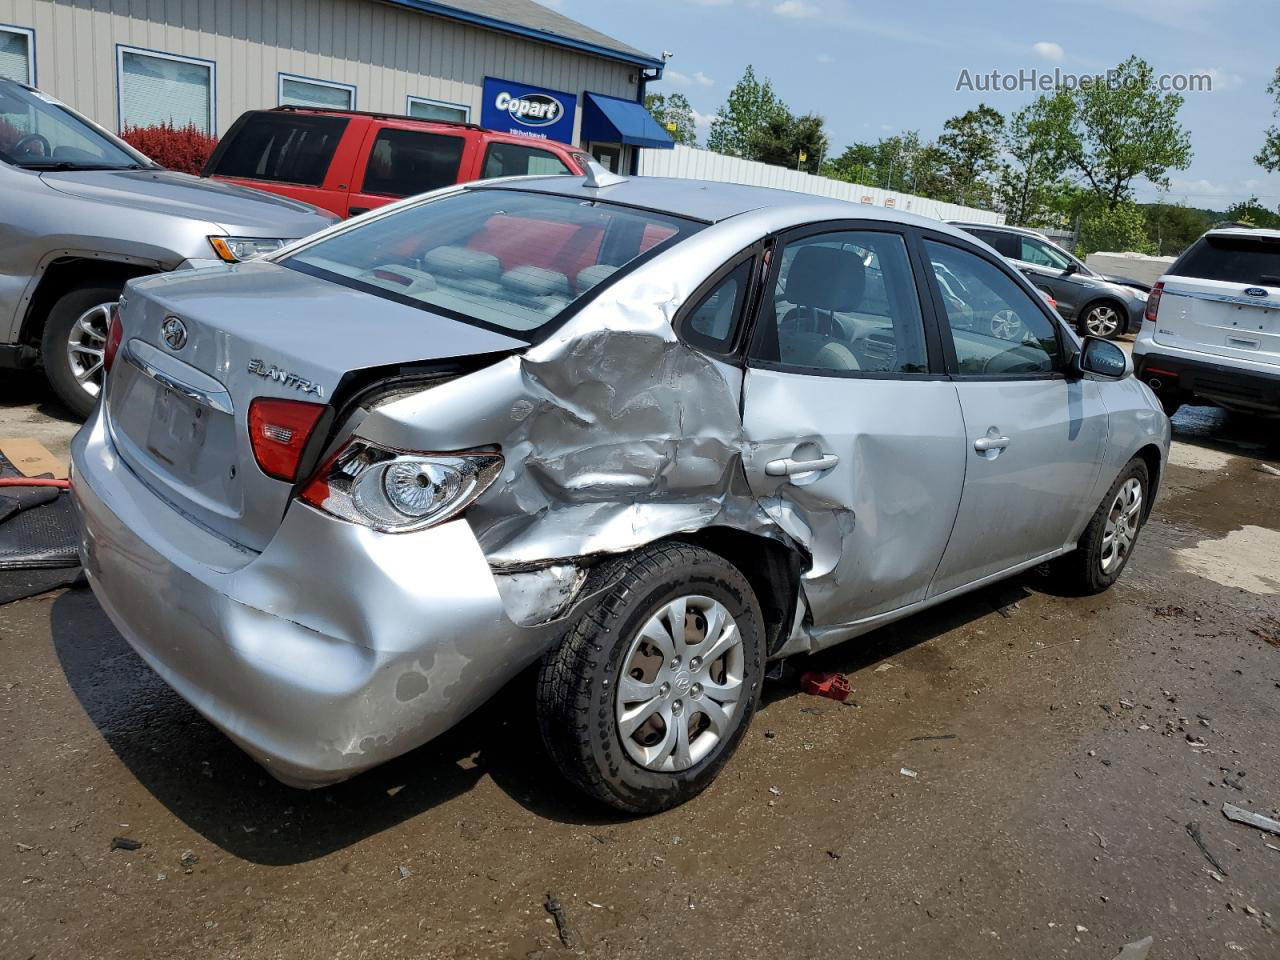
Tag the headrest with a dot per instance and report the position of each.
(593, 275)
(463, 262)
(826, 278)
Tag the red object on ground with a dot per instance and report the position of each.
(34, 482)
(832, 685)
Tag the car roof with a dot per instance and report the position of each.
(713, 201)
(1005, 227)
(1243, 232)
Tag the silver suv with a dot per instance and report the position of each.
(83, 212)
(1212, 329)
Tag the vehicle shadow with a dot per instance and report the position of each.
(22, 388)
(216, 790)
(1237, 434)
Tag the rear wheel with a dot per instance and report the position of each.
(1112, 533)
(648, 694)
(73, 345)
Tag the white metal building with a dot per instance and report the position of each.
(204, 62)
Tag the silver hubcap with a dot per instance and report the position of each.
(1122, 525)
(680, 690)
(1006, 325)
(1102, 321)
(86, 345)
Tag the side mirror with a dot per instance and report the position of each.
(1070, 268)
(1104, 359)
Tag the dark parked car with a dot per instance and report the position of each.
(1098, 304)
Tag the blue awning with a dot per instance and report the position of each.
(613, 120)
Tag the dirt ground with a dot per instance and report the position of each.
(1015, 777)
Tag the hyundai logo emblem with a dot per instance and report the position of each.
(174, 332)
(1255, 292)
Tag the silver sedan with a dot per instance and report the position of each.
(648, 435)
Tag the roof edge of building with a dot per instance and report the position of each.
(533, 33)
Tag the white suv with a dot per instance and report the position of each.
(1212, 327)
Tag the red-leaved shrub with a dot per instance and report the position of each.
(179, 148)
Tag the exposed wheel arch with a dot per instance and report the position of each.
(72, 273)
(1150, 455)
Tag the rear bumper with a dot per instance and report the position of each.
(335, 649)
(1184, 372)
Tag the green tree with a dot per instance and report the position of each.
(1269, 156)
(1171, 228)
(1031, 174)
(902, 162)
(750, 105)
(1121, 228)
(1253, 214)
(1121, 128)
(786, 141)
(969, 150)
(675, 114)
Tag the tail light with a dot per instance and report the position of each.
(115, 334)
(278, 433)
(397, 492)
(1153, 302)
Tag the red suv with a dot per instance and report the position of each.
(349, 162)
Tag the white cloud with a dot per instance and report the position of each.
(797, 9)
(702, 124)
(825, 58)
(1219, 78)
(1049, 50)
(699, 79)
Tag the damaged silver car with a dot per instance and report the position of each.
(647, 435)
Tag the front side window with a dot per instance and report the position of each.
(435, 110)
(502, 259)
(1254, 261)
(165, 89)
(844, 303)
(1041, 254)
(517, 160)
(39, 133)
(282, 147)
(997, 329)
(17, 54)
(305, 92)
(405, 162)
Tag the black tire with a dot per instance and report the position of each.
(1122, 318)
(578, 679)
(1081, 571)
(53, 344)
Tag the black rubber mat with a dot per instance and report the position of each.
(39, 538)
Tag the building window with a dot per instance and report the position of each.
(18, 54)
(425, 109)
(156, 88)
(305, 92)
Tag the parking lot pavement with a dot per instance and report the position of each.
(28, 408)
(1014, 777)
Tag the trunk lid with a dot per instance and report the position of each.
(1223, 297)
(179, 415)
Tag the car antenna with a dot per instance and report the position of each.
(598, 176)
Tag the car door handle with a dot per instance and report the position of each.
(983, 444)
(787, 467)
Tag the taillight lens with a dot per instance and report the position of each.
(278, 433)
(115, 334)
(1153, 302)
(397, 492)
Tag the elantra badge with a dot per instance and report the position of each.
(269, 371)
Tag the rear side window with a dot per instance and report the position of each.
(1249, 260)
(515, 160)
(405, 162)
(281, 147)
(713, 322)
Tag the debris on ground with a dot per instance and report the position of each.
(935, 736)
(1101, 842)
(1193, 831)
(1267, 469)
(884, 667)
(834, 686)
(1249, 818)
(775, 791)
(909, 773)
(568, 936)
(1268, 631)
(405, 872)
(125, 843)
(1137, 950)
(188, 860)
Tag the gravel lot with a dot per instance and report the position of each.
(1060, 748)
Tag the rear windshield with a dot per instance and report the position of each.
(282, 147)
(502, 259)
(1249, 260)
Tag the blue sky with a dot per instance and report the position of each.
(876, 67)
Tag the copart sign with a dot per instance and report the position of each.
(529, 111)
